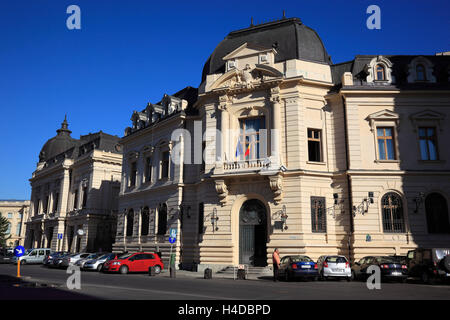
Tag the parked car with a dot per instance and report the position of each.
(97, 264)
(33, 256)
(6, 257)
(49, 259)
(59, 259)
(72, 259)
(80, 263)
(297, 266)
(429, 265)
(334, 267)
(390, 269)
(399, 259)
(134, 262)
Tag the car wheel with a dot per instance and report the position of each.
(100, 267)
(123, 270)
(157, 269)
(353, 276)
(322, 276)
(425, 278)
(349, 279)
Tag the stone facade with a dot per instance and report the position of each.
(75, 187)
(313, 157)
(16, 212)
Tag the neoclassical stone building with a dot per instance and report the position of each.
(75, 187)
(16, 212)
(313, 157)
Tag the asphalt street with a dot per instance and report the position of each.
(39, 282)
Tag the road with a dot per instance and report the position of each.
(142, 287)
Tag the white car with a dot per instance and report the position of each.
(334, 266)
(97, 264)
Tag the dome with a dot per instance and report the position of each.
(290, 38)
(58, 144)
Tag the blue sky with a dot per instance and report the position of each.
(128, 53)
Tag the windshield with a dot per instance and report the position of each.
(301, 259)
(336, 259)
(384, 260)
(92, 256)
(125, 256)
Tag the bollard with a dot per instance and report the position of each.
(208, 273)
(172, 272)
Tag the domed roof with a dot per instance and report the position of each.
(58, 144)
(290, 38)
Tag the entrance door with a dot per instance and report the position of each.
(253, 233)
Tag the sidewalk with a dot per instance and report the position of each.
(200, 275)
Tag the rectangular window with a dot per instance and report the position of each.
(8, 231)
(18, 229)
(249, 144)
(165, 165)
(45, 204)
(318, 215)
(85, 196)
(55, 202)
(36, 206)
(202, 168)
(133, 173)
(201, 218)
(428, 143)
(314, 145)
(148, 170)
(10, 215)
(75, 200)
(386, 146)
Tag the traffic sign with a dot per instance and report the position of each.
(173, 233)
(60, 236)
(19, 251)
(172, 240)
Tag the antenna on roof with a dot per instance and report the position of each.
(251, 22)
(284, 14)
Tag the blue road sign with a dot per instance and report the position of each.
(172, 240)
(60, 236)
(19, 251)
(173, 233)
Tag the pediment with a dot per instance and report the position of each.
(247, 49)
(247, 78)
(427, 115)
(383, 115)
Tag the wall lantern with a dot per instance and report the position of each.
(214, 219)
(363, 207)
(284, 217)
(419, 200)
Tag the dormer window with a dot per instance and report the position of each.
(420, 73)
(380, 72)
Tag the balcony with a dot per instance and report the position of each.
(244, 165)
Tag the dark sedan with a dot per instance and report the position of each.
(48, 260)
(6, 257)
(298, 266)
(389, 267)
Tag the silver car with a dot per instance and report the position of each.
(97, 264)
(334, 267)
(80, 263)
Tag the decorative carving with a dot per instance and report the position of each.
(276, 184)
(222, 191)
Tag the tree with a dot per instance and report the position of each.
(4, 234)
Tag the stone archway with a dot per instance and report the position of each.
(253, 233)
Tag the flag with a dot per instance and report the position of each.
(247, 152)
(238, 148)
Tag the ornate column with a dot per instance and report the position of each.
(224, 127)
(275, 153)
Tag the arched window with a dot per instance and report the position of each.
(162, 219)
(380, 73)
(437, 213)
(130, 220)
(392, 210)
(145, 221)
(420, 73)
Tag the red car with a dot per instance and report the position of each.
(134, 262)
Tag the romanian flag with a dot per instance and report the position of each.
(247, 152)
